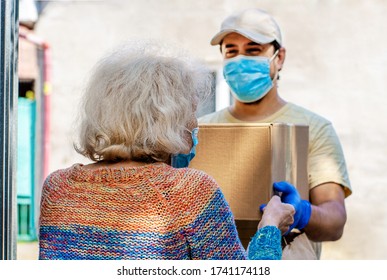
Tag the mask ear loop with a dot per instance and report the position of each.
(274, 55)
(276, 76)
(194, 135)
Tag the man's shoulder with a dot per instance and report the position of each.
(215, 117)
(309, 116)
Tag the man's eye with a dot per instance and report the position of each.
(231, 51)
(253, 51)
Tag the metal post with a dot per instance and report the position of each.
(9, 25)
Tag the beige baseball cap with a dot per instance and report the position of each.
(255, 24)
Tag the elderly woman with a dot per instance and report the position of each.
(137, 200)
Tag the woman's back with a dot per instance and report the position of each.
(148, 212)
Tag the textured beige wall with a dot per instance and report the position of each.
(336, 65)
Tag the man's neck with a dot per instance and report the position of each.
(259, 110)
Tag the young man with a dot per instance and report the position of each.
(251, 45)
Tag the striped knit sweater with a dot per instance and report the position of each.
(149, 212)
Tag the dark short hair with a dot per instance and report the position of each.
(276, 45)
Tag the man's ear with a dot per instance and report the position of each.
(281, 58)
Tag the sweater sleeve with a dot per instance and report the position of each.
(213, 235)
(266, 244)
(211, 232)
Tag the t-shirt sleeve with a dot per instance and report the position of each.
(326, 158)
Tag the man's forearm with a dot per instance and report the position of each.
(326, 222)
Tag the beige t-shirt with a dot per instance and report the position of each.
(326, 162)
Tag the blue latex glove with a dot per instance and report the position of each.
(289, 194)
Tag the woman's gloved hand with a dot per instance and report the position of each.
(289, 194)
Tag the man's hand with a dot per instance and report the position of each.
(289, 194)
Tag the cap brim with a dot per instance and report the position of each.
(257, 38)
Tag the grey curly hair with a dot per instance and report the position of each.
(139, 101)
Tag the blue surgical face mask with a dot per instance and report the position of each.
(183, 160)
(248, 77)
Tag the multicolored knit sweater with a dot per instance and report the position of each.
(149, 212)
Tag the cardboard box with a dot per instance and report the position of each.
(245, 159)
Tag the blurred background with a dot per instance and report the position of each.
(336, 66)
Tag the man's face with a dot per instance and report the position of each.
(235, 44)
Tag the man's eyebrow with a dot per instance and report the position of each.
(229, 45)
(254, 44)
